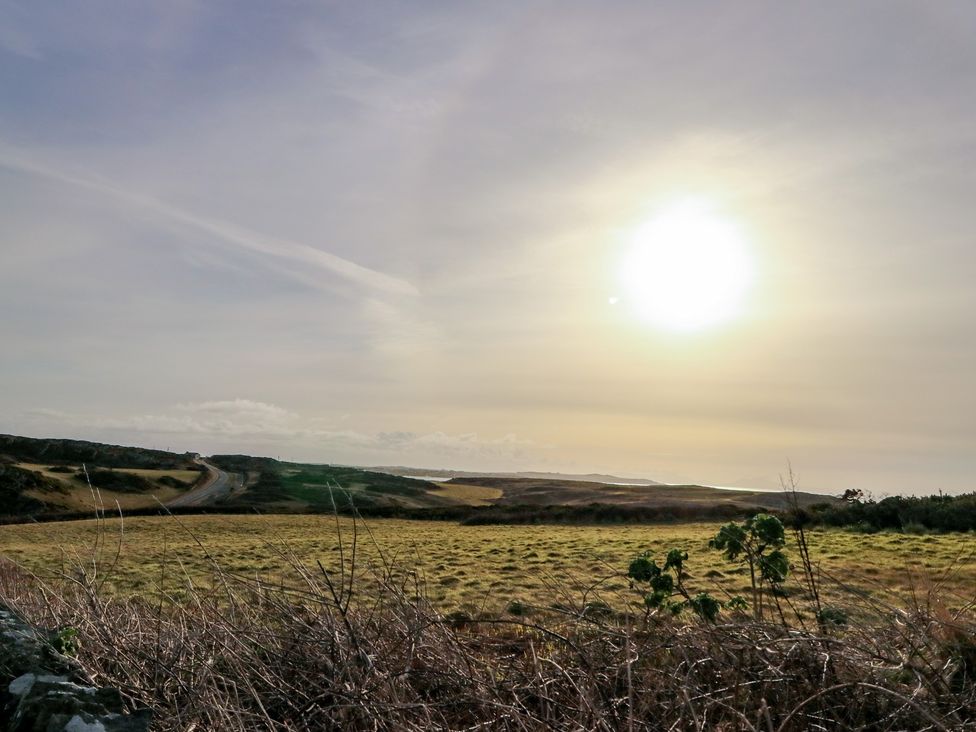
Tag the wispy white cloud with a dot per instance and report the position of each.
(236, 408)
(296, 254)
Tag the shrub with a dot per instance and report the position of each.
(933, 513)
(115, 480)
(832, 616)
(663, 587)
(15, 481)
(758, 542)
(914, 527)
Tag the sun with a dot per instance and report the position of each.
(688, 268)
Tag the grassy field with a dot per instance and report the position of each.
(502, 635)
(78, 496)
(470, 495)
(470, 568)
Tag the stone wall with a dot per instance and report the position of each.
(42, 690)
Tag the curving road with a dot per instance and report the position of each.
(217, 485)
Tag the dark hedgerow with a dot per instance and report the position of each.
(898, 513)
(116, 480)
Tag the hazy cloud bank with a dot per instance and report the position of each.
(242, 424)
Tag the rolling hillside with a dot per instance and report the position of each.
(298, 487)
(551, 492)
(60, 452)
(43, 478)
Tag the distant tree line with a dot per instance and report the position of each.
(900, 513)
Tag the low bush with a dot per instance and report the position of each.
(912, 514)
(14, 482)
(116, 480)
(171, 482)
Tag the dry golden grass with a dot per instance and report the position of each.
(79, 500)
(244, 655)
(263, 605)
(470, 495)
(474, 567)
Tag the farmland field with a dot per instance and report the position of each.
(470, 568)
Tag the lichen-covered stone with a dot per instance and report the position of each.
(44, 691)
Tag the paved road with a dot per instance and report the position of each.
(218, 484)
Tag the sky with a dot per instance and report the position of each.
(392, 234)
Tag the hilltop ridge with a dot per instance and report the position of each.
(45, 478)
(63, 450)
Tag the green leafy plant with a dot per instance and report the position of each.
(758, 543)
(832, 616)
(664, 589)
(65, 641)
(706, 606)
(737, 603)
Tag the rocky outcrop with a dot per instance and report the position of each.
(42, 690)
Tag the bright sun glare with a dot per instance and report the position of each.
(688, 268)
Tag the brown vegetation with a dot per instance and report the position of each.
(559, 492)
(242, 654)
